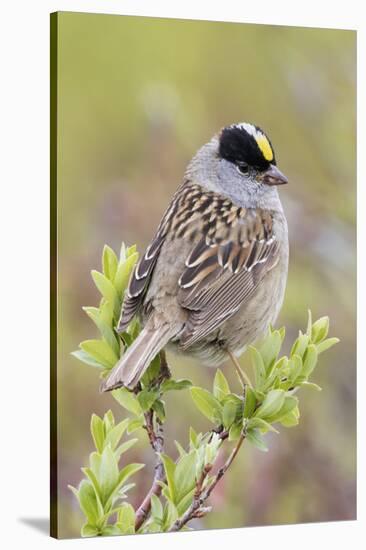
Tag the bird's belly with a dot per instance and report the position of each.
(242, 329)
(245, 327)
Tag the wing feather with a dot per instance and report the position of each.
(215, 284)
(235, 249)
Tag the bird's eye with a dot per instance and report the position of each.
(242, 168)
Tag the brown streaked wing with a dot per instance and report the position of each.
(139, 282)
(175, 219)
(220, 277)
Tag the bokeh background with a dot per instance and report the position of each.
(136, 98)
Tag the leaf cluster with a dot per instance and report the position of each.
(104, 486)
(103, 353)
(272, 399)
(179, 493)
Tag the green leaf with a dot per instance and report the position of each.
(300, 345)
(124, 447)
(156, 507)
(229, 413)
(159, 408)
(108, 473)
(106, 312)
(309, 325)
(271, 405)
(310, 360)
(235, 431)
(105, 330)
(146, 398)
(281, 365)
(108, 291)
(262, 425)
(295, 367)
(110, 262)
(152, 371)
(133, 330)
(207, 404)
(114, 435)
(220, 386)
(311, 385)
(169, 467)
(254, 437)
(88, 530)
(110, 530)
(326, 344)
(153, 526)
(258, 366)
(291, 419)
(131, 250)
(289, 405)
(126, 519)
(108, 420)
(170, 515)
(100, 351)
(124, 474)
(320, 330)
(180, 449)
(88, 502)
(129, 471)
(86, 358)
(270, 348)
(232, 409)
(211, 449)
(185, 502)
(170, 384)
(250, 402)
(135, 424)
(123, 273)
(122, 253)
(276, 373)
(91, 474)
(185, 475)
(128, 400)
(127, 340)
(193, 437)
(97, 431)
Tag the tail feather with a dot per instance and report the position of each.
(132, 365)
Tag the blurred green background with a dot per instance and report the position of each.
(136, 98)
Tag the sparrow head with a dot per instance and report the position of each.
(250, 152)
(239, 162)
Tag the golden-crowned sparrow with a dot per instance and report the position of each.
(214, 276)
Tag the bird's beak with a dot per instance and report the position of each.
(273, 176)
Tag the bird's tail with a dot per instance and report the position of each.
(132, 365)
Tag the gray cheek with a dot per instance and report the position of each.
(229, 177)
(241, 189)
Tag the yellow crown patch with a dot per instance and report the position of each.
(264, 146)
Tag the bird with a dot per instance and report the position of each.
(213, 278)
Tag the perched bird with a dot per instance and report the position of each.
(214, 276)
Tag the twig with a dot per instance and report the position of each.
(156, 438)
(224, 468)
(201, 494)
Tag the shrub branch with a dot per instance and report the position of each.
(196, 509)
(181, 486)
(156, 438)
